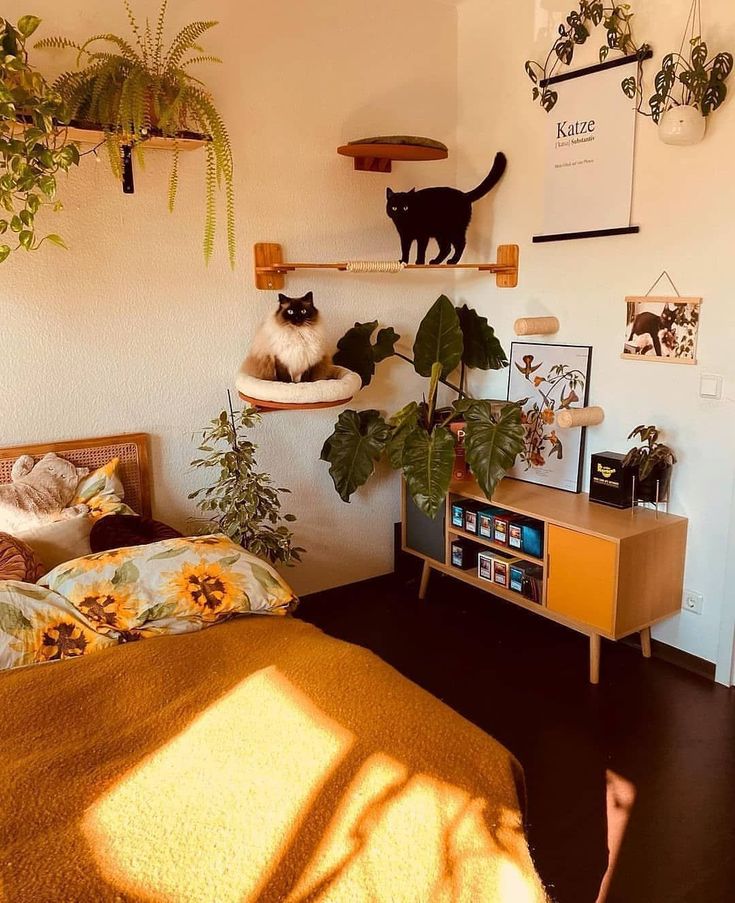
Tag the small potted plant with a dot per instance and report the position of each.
(138, 88)
(241, 502)
(417, 439)
(33, 142)
(688, 89)
(652, 462)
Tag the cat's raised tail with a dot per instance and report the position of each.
(490, 181)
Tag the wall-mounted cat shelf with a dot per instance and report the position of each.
(377, 154)
(572, 417)
(271, 269)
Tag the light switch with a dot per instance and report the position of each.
(710, 386)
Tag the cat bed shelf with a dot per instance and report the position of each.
(271, 269)
(270, 395)
(378, 154)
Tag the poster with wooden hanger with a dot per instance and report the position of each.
(590, 141)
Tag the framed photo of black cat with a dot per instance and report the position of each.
(662, 329)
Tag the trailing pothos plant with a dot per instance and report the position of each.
(616, 20)
(138, 88)
(241, 502)
(416, 439)
(34, 147)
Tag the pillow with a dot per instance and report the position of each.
(58, 542)
(18, 561)
(114, 531)
(172, 586)
(102, 491)
(38, 625)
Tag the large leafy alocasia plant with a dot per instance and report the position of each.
(417, 439)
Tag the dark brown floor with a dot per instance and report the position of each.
(523, 680)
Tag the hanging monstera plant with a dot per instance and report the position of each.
(416, 439)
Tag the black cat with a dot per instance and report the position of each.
(440, 213)
(651, 324)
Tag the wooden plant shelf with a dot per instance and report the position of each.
(380, 157)
(271, 269)
(91, 133)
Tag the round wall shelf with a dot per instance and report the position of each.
(378, 154)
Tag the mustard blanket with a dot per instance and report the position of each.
(259, 760)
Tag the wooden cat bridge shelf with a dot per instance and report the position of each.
(271, 268)
(270, 395)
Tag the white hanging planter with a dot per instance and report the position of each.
(682, 125)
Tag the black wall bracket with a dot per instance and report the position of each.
(128, 182)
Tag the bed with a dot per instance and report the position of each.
(258, 760)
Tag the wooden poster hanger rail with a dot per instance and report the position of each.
(271, 268)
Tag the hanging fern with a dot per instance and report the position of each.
(135, 89)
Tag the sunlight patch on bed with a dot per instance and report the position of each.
(205, 818)
(405, 837)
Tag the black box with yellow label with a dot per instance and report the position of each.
(610, 482)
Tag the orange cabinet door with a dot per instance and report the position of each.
(582, 577)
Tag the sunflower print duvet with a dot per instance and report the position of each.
(172, 586)
(38, 625)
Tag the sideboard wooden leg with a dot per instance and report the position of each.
(646, 642)
(594, 658)
(424, 585)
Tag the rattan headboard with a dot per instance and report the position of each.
(132, 449)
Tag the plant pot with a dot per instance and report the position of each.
(682, 125)
(461, 470)
(645, 490)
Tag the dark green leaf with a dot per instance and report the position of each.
(427, 466)
(492, 444)
(357, 442)
(564, 49)
(356, 351)
(629, 86)
(4, 252)
(402, 423)
(713, 97)
(698, 53)
(722, 66)
(531, 72)
(549, 99)
(439, 339)
(482, 349)
(384, 344)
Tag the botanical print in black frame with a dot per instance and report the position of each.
(549, 378)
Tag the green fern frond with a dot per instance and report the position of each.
(158, 54)
(210, 219)
(230, 212)
(136, 31)
(173, 181)
(199, 59)
(184, 41)
(126, 50)
(114, 152)
(55, 43)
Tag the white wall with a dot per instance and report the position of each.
(129, 331)
(683, 200)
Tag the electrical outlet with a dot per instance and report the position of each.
(693, 602)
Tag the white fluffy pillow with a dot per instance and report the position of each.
(59, 541)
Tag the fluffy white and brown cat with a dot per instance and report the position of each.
(289, 346)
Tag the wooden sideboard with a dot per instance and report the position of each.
(606, 572)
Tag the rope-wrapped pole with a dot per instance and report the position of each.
(374, 266)
(536, 326)
(580, 417)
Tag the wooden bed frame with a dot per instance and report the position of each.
(131, 448)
